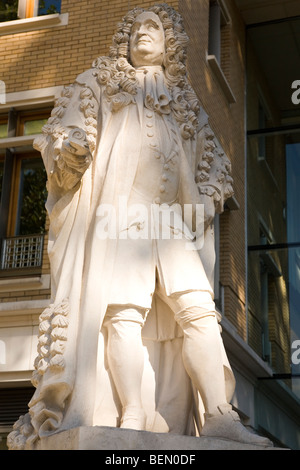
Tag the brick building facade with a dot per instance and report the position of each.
(46, 49)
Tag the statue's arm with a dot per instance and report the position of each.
(213, 173)
(69, 137)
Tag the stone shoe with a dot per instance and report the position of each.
(133, 418)
(227, 425)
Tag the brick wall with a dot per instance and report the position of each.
(55, 56)
(227, 121)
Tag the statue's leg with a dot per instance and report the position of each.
(126, 361)
(202, 356)
(202, 353)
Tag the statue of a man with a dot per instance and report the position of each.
(131, 338)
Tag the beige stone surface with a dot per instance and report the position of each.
(108, 438)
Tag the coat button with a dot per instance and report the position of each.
(162, 188)
(157, 200)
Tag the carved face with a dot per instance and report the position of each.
(147, 40)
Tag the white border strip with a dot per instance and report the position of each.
(33, 24)
(30, 98)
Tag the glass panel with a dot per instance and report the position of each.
(273, 202)
(31, 198)
(274, 271)
(48, 7)
(8, 10)
(34, 126)
(3, 131)
(1, 176)
(293, 228)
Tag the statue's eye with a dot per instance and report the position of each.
(152, 26)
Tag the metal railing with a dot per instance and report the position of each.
(22, 252)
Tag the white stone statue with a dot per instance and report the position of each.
(131, 337)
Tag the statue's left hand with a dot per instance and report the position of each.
(75, 151)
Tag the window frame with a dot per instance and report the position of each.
(15, 191)
(4, 120)
(218, 17)
(20, 117)
(19, 108)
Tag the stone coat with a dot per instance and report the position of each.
(83, 266)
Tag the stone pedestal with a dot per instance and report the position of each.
(116, 439)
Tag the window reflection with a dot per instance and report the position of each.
(3, 130)
(33, 126)
(31, 196)
(1, 177)
(274, 251)
(293, 227)
(11, 10)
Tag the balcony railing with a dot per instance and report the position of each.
(22, 252)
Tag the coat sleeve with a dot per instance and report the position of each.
(74, 115)
(213, 170)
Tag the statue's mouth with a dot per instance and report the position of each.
(144, 41)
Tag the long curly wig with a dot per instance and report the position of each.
(118, 75)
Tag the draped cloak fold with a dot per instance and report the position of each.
(79, 391)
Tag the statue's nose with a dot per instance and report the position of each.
(142, 31)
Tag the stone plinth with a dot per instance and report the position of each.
(116, 439)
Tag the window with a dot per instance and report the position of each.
(31, 123)
(28, 196)
(18, 9)
(218, 21)
(273, 178)
(269, 271)
(218, 55)
(8, 10)
(262, 124)
(3, 128)
(1, 175)
(23, 194)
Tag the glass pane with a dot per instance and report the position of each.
(48, 7)
(32, 197)
(273, 209)
(274, 271)
(34, 126)
(3, 131)
(293, 227)
(1, 177)
(8, 10)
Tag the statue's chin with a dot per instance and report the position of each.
(145, 58)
